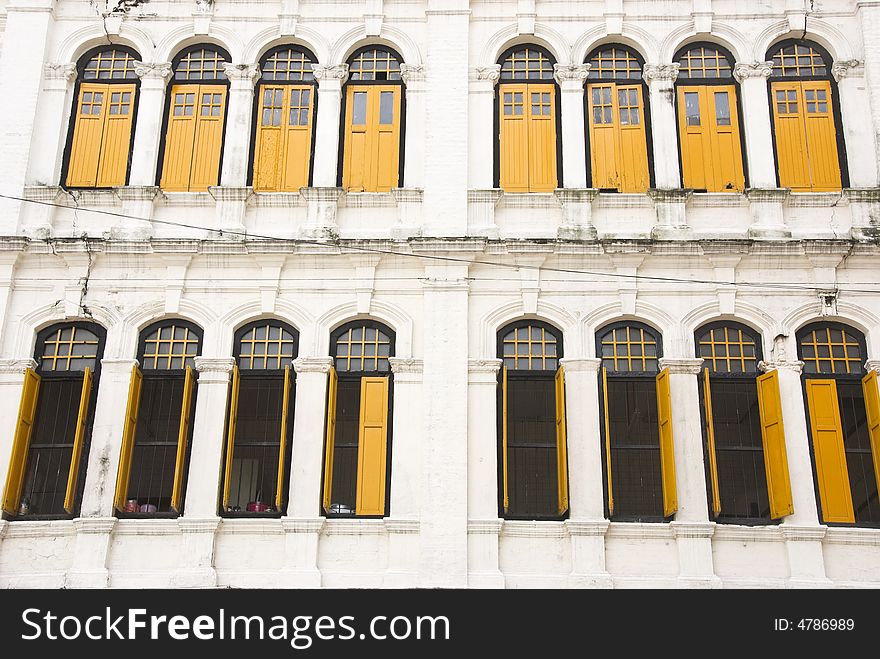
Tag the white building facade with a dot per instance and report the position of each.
(444, 263)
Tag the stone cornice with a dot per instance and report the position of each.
(803, 533)
(207, 525)
(484, 526)
(692, 529)
(402, 526)
(524, 529)
(767, 195)
(598, 527)
(581, 364)
(313, 364)
(688, 366)
(16, 366)
(796, 367)
(743, 71)
(94, 525)
(302, 525)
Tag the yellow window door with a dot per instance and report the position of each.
(372, 138)
(711, 152)
(194, 138)
(269, 148)
(298, 138)
(542, 138)
(694, 138)
(821, 137)
(284, 139)
(618, 141)
(179, 138)
(514, 139)
(116, 144)
(633, 139)
(604, 137)
(208, 138)
(372, 444)
(386, 159)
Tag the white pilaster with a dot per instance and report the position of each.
(571, 80)
(661, 82)
(692, 528)
(413, 76)
(236, 145)
(330, 81)
(50, 126)
(861, 146)
(869, 13)
(148, 130)
(753, 78)
(481, 172)
(89, 566)
(484, 525)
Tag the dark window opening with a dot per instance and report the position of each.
(345, 447)
(859, 458)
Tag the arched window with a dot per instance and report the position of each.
(638, 448)
(155, 444)
(708, 120)
(618, 120)
(285, 120)
(195, 120)
(809, 144)
(843, 405)
(357, 460)
(527, 116)
(54, 425)
(373, 119)
(745, 443)
(100, 138)
(260, 420)
(533, 451)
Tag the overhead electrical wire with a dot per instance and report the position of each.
(789, 286)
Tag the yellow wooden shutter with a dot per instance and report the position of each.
(821, 136)
(872, 407)
(667, 453)
(180, 138)
(332, 385)
(561, 444)
(79, 439)
(210, 112)
(358, 139)
(182, 439)
(726, 144)
(128, 437)
(514, 138)
(775, 456)
(230, 436)
(88, 132)
(116, 144)
(630, 107)
(298, 139)
(386, 155)
(24, 425)
(504, 486)
(269, 146)
(710, 441)
(791, 138)
(693, 130)
(832, 473)
(282, 440)
(372, 440)
(609, 479)
(541, 111)
(604, 136)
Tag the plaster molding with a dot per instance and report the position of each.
(852, 68)
(16, 366)
(682, 366)
(743, 71)
(571, 72)
(661, 72)
(337, 72)
(313, 364)
(65, 71)
(767, 366)
(153, 71)
(581, 364)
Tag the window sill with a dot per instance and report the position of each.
(660, 530)
(816, 199)
(511, 528)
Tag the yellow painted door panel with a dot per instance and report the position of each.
(504, 471)
(269, 147)
(358, 140)
(180, 138)
(371, 161)
(872, 408)
(726, 144)
(604, 137)
(514, 139)
(85, 149)
(298, 139)
(667, 443)
(711, 153)
(561, 445)
(329, 440)
(21, 441)
(821, 137)
(129, 431)
(633, 139)
(208, 137)
(372, 442)
(79, 439)
(541, 109)
(694, 137)
(618, 141)
(775, 454)
(386, 160)
(710, 441)
(284, 138)
(832, 473)
(116, 144)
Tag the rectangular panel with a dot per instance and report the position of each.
(182, 440)
(282, 439)
(607, 443)
(821, 136)
(726, 145)
(24, 425)
(504, 472)
(633, 140)
(604, 136)
(231, 423)
(514, 138)
(330, 439)
(79, 439)
(298, 139)
(541, 107)
(791, 137)
(88, 133)
(693, 136)
(561, 444)
(775, 456)
(710, 441)
(667, 452)
(358, 140)
(831, 470)
(210, 112)
(116, 145)
(872, 408)
(386, 158)
(180, 138)
(128, 437)
(269, 145)
(372, 441)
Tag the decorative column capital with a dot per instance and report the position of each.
(153, 71)
(242, 76)
(313, 364)
(743, 71)
(118, 365)
(490, 74)
(16, 366)
(581, 364)
(687, 366)
(576, 73)
(872, 365)
(214, 369)
(484, 366)
(412, 73)
(64, 71)
(661, 72)
(406, 365)
(851, 68)
(330, 74)
(795, 367)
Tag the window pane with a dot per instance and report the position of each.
(359, 111)
(722, 109)
(692, 108)
(386, 108)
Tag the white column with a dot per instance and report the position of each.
(587, 524)
(11, 385)
(756, 122)
(25, 38)
(413, 76)
(406, 437)
(51, 123)
(869, 13)
(861, 146)
(691, 528)
(481, 122)
(330, 81)
(571, 80)
(303, 522)
(236, 146)
(147, 134)
(444, 483)
(802, 531)
(661, 83)
(483, 522)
